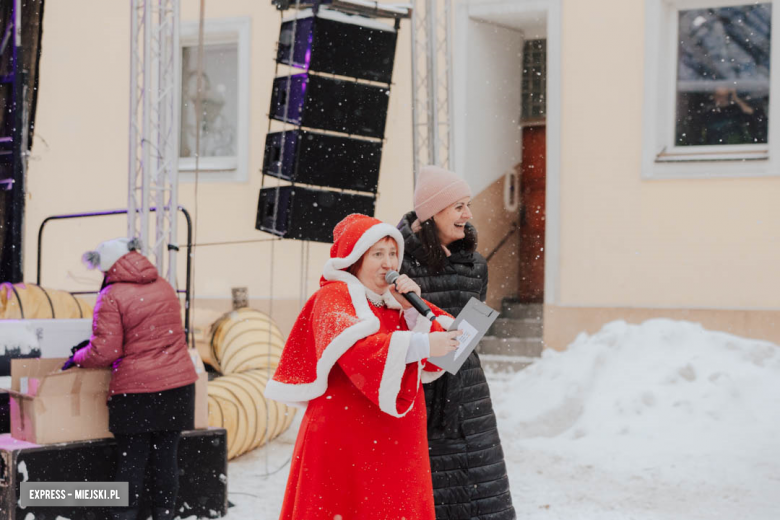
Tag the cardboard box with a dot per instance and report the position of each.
(49, 406)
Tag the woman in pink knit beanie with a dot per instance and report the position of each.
(442, 194)
(467, 462)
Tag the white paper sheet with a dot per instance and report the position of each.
(469, 332)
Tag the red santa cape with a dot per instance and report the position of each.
(336, 317)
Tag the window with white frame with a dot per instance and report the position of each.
(708, 87)
(224, 100)
(722, 85)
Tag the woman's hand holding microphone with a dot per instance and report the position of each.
(402, 285)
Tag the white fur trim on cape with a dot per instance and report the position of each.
(393, 374)
(445, 321)
(390, 300)
(428, 376)
(300, 394)
(368, 324)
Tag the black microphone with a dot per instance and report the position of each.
(411, 297)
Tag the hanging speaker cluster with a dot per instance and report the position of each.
(333, 113)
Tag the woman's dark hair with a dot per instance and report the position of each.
(435, 257)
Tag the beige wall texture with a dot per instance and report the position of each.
(493, 222)
(563, 324)
(629, 247)
(632, 247)
(80, 156)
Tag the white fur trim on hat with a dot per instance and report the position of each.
(333, 269)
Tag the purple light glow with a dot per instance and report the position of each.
(307, 57)
(304, 82)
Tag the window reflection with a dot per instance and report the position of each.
(723, 76)
(219, 121)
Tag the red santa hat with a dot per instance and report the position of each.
(352, 237)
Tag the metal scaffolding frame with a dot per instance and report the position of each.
(154, 129)
(431, 84)
(13, 159)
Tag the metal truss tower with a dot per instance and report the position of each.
(154, 130)
(431, 84)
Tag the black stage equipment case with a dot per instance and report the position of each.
(202, 475)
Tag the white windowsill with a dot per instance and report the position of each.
(213, 164)
(678, 155)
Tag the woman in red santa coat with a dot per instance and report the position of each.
(356, 359)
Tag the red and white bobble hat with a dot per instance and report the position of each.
(352, 237)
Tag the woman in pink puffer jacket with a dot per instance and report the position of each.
(137, 330)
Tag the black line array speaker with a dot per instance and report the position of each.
(340, 44)
(331, 104)
(323, 160)
(306, 213)
(338, 106)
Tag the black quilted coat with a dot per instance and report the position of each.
(467, 462)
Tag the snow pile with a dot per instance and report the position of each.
(659, 421)
(647, 418)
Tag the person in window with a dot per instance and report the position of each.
(467, 462)
(732, 120)
(216, 127)
(137, 330)
(356, 357)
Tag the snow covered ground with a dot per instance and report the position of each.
(663, 420)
